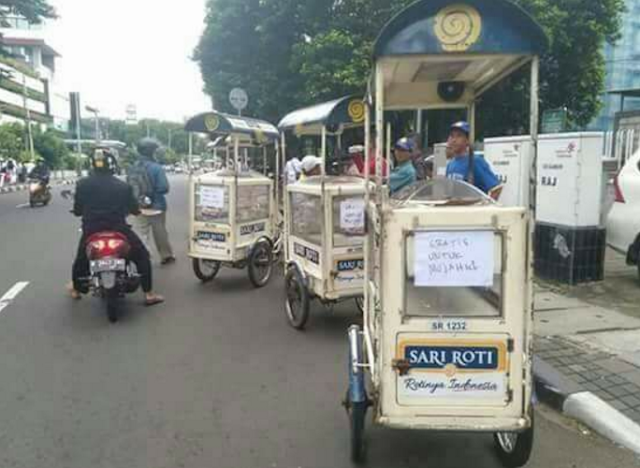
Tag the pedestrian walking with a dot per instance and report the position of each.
(150, 185)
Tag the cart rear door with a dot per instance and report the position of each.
(456, 340)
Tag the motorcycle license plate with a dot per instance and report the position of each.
(109, 264)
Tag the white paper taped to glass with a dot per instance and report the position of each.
(454, 259)
(352, 215)
(212, 197)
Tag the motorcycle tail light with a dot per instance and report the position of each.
(107, 245)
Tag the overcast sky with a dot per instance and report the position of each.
(119, 52)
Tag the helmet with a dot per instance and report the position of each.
(103, 161)
(461, 126)
(147, 147)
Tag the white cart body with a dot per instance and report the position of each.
(231, 212)
(325, 235)
(447, 336)
(451, 313)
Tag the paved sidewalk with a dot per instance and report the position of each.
(611, 378)
(587, 351)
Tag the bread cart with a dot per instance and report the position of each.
(233, 211)
(446, 342)
(324, 217)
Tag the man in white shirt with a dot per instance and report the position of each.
(292, 170)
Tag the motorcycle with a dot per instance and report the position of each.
(39, 192)
(112, 275)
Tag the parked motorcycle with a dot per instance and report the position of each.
(39, 192)
(112, 274)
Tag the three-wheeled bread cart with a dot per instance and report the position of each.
(446, 342)
(324, 217)
(233, 211)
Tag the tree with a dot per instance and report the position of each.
(51, 147)
(33, 11)
(289, 53)
(11, 141)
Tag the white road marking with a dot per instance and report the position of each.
(24, 205)
(12, 293)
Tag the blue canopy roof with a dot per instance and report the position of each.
(348, 110)
(469, 26)
(219, 124)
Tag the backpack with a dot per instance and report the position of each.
(138, 178)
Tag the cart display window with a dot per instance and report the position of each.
(211, 203)
(306, 217)
(454, 274)
(348, 220)
(252, 203)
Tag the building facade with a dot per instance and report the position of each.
(622, 66)
(27, 73)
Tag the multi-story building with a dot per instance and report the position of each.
(27, 75)
(622, 67)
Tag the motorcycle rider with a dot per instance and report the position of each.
(104, 202)
(41, 172)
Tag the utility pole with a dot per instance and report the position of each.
(96, 114)
(25, 100)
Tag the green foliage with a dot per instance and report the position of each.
(33, 10)
(51, 147)
(291, 53)
(18, 89)
(11, 141)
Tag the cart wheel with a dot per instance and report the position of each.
(357, 414)
(297, 299)
(360, 304)
(514, 448)
(261, 264)
(205, 270)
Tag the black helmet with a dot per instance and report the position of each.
(147, 147)
(104, 161)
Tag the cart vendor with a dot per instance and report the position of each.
(311, 166)
(464, 166)
(404, 174)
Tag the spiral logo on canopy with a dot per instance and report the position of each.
(211, 123)
(458, 27)
(356, 111)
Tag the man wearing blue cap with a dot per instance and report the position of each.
(404, 174)
(464, 166)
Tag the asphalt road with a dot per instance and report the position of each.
(213, 378)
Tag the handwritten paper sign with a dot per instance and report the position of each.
(352, 215)
(212, 197)
(454, 259)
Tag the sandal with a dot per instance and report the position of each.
(155, 300)
(75, 295)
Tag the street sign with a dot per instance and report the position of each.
(239, 99)
(554, 120)
(132, 115)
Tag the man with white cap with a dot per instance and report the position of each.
(311, 166)
(292, 170)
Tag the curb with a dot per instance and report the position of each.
(566, 396)
(22, 187)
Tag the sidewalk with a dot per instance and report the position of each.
(590, 336)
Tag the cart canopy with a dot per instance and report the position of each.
(217, 124)
(337, 115)
(435, 54)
